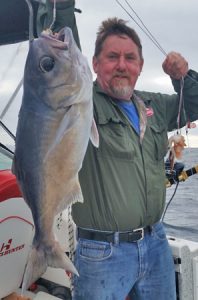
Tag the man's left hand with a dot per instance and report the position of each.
(175, 65)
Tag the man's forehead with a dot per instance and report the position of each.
(117, 43)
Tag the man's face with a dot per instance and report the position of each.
(118, 66)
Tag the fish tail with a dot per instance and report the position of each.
(36, 266)
(40, 258)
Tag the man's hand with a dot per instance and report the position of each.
(175, 65)
(15, 296)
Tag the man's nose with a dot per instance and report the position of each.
(121, 63)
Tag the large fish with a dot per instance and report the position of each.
(54, 126)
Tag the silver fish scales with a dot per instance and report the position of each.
(54, 126)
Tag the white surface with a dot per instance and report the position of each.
(186, 251)
(15, 240)
(44, 296)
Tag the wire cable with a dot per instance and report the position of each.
(31, 20)
(54, 16)
(169, 202)
(142, 27)
(146, 31)
(151, 36)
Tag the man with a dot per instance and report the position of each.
(122, 245)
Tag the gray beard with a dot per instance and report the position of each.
(122, 92)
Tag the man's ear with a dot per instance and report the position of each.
(141, 66)
(95, 64)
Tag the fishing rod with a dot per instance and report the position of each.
(187, 173)
(178, 174)
(182, 175)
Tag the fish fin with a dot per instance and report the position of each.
(40, 258)
(67, 123)
(94, 134)
(36, 266)
(77, 195)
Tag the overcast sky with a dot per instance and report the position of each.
(174, 23)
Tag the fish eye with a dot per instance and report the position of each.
(46, 64)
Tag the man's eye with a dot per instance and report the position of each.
(112, 56)
(130, 57)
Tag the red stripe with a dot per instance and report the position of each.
(16, 217)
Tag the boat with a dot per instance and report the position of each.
(16, 234)
(16, 223)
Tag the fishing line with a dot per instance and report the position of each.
(169, 202)
(146, 31)
(143, 27)
(151, 36)
(54, 16)
(138, 21)
(31, 18)
(181, 106)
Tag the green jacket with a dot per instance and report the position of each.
(123, 181)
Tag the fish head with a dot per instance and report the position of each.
(56, 71)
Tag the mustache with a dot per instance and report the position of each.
(121, 74)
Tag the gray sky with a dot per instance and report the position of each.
(174, 24)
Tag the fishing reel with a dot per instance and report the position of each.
(173, 174)
(177, 173)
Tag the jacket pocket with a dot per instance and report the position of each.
(115, 140)
(160, 138)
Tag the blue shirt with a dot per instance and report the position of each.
(130, 110)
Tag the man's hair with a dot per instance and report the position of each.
(115, 26)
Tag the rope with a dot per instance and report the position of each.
(71, 241)
(70, 234)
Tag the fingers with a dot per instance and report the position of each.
(175, 65)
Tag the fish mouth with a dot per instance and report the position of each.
(63, 38)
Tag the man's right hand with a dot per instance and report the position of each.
(175, 65)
